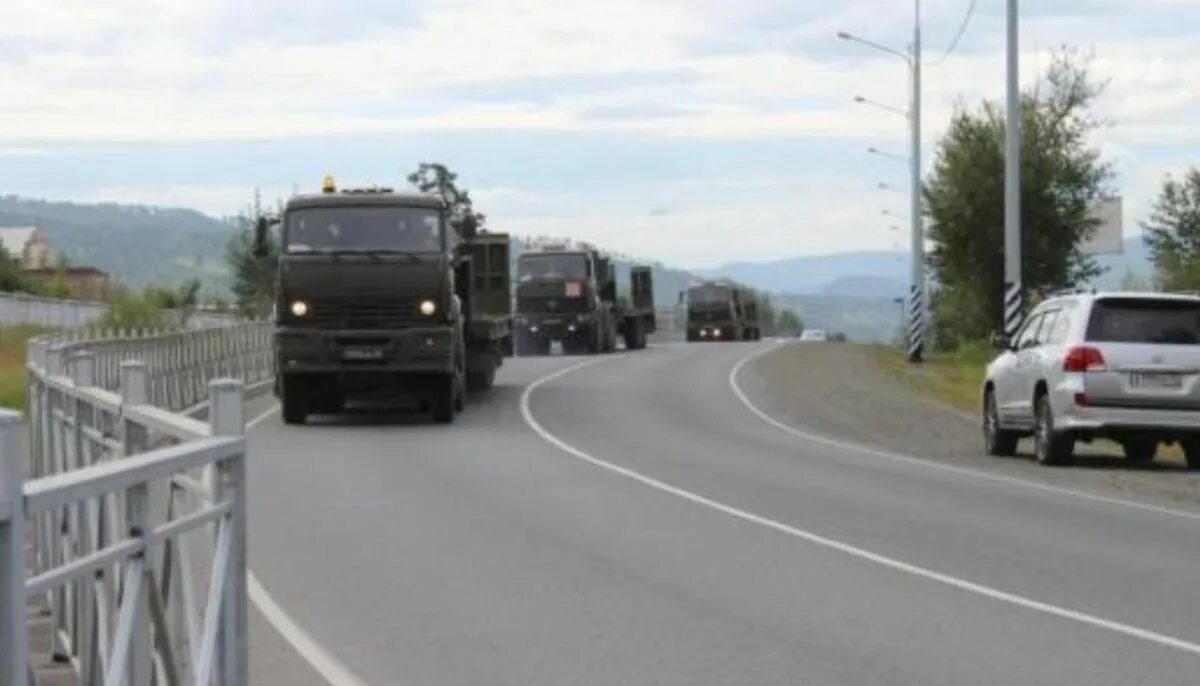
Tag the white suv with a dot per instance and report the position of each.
(1123, 366)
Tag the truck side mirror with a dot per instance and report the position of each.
(999, 341)
(260, 236)
(682, 297)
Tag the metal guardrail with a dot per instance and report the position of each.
(180, 364)
(137, 512)
(21, 308)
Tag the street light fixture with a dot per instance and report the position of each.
(881, 105)
(889, 155)
(916, 329)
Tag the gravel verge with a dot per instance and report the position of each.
(840, 390)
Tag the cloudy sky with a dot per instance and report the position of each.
(692, 131)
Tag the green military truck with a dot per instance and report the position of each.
(381, 294)
(569, 295)
(719, 311)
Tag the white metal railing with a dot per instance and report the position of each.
(58, 313)
(180, 364)
(137, 512)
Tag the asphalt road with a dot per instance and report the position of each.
(632, 521)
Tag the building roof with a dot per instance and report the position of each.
(15, 238)
(68, 271)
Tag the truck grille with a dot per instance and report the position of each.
(361, 314)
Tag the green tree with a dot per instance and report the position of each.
(254, 277)
(128, 310)
(434, 177)
(11, 278)
(1173, 233)
(788, 322)
(1062, 176)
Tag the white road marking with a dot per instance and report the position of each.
(930, 464)
(817, 539)
(262, 417)
(316, 655)
(330, 669)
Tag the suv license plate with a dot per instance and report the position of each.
(1155, 380)
(362, 354)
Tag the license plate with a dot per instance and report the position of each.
(362, 354)
(1155, 380)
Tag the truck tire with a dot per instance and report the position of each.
(1191, 452)
(293, 402)
(631, 336)
(443, 401)
(481, 381)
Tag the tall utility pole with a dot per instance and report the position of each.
(916, 297)
(1013, 305)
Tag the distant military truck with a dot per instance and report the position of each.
(381, 294)
(569, 295)
(718, 311)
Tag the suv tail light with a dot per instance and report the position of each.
(1084, 358)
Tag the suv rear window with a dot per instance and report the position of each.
(1145, 320)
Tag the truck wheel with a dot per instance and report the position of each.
(481, 381)
(294, 402)
(443, 399)
(1050, 446)
(631, 337)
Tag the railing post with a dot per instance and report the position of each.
(135, 391)
(227, 417)
(14, 639)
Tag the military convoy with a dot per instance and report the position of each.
(384, 294)
(381, 293)
(720, 311)
(569, 296)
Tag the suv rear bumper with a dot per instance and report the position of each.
(1097, 419)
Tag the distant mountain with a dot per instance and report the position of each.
(135, 243)
(1131, 268)
(865, 287)
(814, 274)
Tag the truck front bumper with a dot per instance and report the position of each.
(564, 328)
(421, 350)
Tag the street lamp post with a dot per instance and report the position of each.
(916, 296)
(1013, 305)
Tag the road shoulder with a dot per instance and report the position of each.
(841, 391)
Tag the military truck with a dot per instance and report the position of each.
(569, 295)
(720, 311)
(381, 294)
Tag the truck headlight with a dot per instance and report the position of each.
(428, 307)
(299, 308)
(716, 333)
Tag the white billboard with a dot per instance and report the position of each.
(1108, 238)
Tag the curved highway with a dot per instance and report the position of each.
(631, 520)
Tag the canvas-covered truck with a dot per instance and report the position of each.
(380, 294)
(719, 311)
(569, 295)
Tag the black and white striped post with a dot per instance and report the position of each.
(1013, 305)
(916, 324)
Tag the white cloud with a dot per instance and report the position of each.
(698, 72)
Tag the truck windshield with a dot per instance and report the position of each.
(708, 295)
(363, 229)
(1145, 320)
(531, 267)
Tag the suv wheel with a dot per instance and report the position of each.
(996, 441)
(1050, 446)
(1139, 449)
(1191, 452)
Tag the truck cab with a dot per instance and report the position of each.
(561, 296)
(713, 312)
(379, 295)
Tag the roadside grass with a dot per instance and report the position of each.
(952, 379)
(12, 363)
